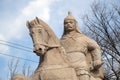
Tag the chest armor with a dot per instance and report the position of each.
(74, 43)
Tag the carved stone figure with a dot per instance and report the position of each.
(83, 53)
(74, 57)
(53, 64)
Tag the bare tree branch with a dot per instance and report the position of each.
(104, 27)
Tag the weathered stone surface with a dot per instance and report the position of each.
(20, 77)
(58, 74)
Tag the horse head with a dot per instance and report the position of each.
(42, 36)
(38, 36)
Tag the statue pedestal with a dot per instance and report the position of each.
(58, 74)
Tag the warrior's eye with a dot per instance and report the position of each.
(71, 22)
(65, 22)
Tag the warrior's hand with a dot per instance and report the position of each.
(97, 64)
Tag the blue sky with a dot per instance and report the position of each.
(15, 13)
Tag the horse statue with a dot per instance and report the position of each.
(53, 62)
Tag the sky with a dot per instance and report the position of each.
(14, 35)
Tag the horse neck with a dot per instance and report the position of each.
(52, 38)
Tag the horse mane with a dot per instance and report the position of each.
(53, 41)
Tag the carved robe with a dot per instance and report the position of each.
(81, 51)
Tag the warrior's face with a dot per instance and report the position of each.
(69, 25)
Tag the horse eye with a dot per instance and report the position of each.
(71, 22)
(31, 32)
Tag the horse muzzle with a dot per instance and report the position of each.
(39, 50)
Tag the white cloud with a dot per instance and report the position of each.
(16, 27)
(37, 8)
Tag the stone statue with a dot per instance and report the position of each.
(74, 57)
(53, 64)
(83, 53)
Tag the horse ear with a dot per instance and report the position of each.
(28, 24)
(38, 20)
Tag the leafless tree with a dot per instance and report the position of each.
(103, 25)
(27, 71)
(14, 68)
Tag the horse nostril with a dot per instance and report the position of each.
(40, 49)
